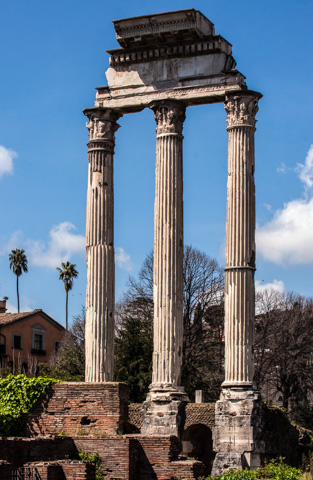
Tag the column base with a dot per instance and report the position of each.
(164, 410)
(238, 432)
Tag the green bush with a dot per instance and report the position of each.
(238, 475)
(18, 395)
(278, 470)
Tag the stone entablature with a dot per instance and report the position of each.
(174, 55)
(162, 27)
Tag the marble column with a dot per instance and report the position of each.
(161, 410)
(99, 334)
(238, 421)
(240, 241)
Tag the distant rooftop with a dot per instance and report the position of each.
(162, 28)
(8, 318)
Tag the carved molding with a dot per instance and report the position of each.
(211, 46)
(98, 145)
(169, 118)
(241, 110)
(102, 124)
(131, 99)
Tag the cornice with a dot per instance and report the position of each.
(209, 46)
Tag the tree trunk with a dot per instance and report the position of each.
(66, 310)
(18, 295)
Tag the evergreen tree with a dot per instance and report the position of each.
(134, 346)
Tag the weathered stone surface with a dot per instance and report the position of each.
(162, 28)
(227, 461)
(238, 423)
(164, 407)
(173, 55)
(164, 413)
(168, 248)
(238, 431)
(100, 296)
(195, 414)
(240, 240)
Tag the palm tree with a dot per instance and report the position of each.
(18, 262)
(67, 273)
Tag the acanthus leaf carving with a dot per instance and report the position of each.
(241, 110)
(102, 125)
(169, 117)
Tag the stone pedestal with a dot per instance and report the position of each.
(238, 432)
(164, 412)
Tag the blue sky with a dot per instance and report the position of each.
(53, 55)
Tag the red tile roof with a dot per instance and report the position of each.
(7, 318)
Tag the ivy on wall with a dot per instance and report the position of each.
(18, 395)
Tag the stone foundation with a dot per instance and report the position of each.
(238, 432)
(164, 413)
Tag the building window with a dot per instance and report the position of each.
(17, 341)
(38, 340)
(2, 345)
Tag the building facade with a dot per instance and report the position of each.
(27, 339)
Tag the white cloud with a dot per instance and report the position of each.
(277, 285)
(13, 243)
(288, 237)
(6, 160)
(282, 168)
(123, 259)
(61, 246)
(306, 171)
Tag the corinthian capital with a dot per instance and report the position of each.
(241, 110)
(169, 117)
(102, 124)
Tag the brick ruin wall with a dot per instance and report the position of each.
(78, 408)
(129, 457)
(93, 417)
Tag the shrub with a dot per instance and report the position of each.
(278, 470)
(18, 395)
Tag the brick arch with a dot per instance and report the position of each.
(197, 443)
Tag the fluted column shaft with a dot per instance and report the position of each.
(99, 337)
(168, 247)
(240, 240)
